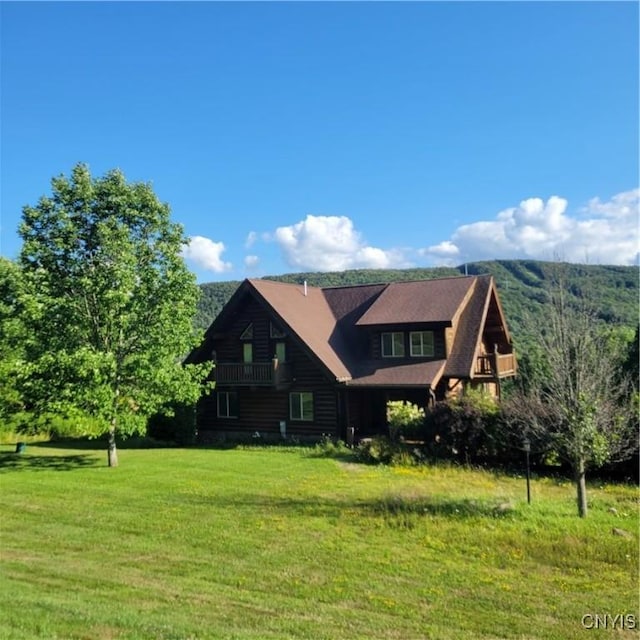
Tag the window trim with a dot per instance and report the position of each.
(229, 404)
(394, 353)
(423, 353)
(300, 396)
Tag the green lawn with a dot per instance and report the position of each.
(275, 543)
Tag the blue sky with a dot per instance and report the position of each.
(318, 136)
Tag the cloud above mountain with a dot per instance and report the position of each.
(331, 243)
(598, 233)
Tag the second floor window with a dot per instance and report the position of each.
(280, 351)
(275, 331)
(421, 343)
(393, 344)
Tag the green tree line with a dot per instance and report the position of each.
(523, 286)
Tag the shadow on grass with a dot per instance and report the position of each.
(395, 511)
(30, 462)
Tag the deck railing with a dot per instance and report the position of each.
(496, 365)
(252, 373)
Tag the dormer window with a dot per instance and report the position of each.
(393, 344)
(421, 344)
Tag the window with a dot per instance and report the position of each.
(247, 334)
(393, 344)
(280, 351)
(275, 332)
(301, 405)
(227, 404)
(421, 343)
(247, 352)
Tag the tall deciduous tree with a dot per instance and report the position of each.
(114, 302)
(13, 337)
(583, 407)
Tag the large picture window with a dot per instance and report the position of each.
(301, 405)
(393, 344)
(421, 343)
(227, 404)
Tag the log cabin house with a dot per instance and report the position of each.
(295, 360)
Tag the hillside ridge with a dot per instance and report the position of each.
(522, 284)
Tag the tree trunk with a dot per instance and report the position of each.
(581, 487)
(112, 452)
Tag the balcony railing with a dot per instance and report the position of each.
(265, 374)
(495, 365)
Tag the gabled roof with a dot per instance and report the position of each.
(325, 322)
(419, 301)
(470, 323)
(306, 313)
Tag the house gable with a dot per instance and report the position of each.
(333, 338)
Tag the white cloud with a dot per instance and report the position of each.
(252, 237)
(206, 254)
(251, 262)
(445, 250)
(331, 243)
(601, 233)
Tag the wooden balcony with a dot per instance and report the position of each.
(494, 366)
(254, 374)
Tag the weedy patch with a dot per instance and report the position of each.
(407, 512)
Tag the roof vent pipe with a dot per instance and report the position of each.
(305, 288)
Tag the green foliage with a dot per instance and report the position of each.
(467, 429)
(329, 447)
(584, 403)
(522, 284)
(631, 364)
(383, 450)
(72, 423)
(214, 296)
(176, 424)
(405, 419)
(13, 338)
(112, 302)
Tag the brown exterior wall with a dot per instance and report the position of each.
(262, 409)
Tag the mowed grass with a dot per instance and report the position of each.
(280, 543)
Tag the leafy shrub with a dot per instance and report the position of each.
(465, 428)
(329, 447)
(73, 423)
(405, 420)
(383, 450)
(176, 424)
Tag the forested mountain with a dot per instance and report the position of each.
(523, 286)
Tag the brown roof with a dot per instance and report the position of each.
(414, 374)
(420, 301)
(310, 318)
(326, 323)
(460, 362)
